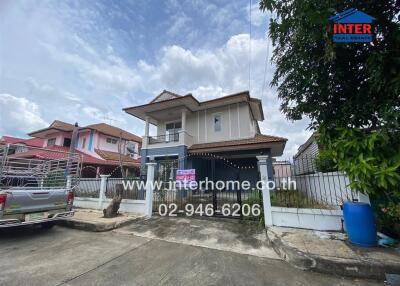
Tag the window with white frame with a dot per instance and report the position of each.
(217, 122)
(111, 140)
(172, 131)
(51, 142)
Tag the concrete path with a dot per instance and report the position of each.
(63, 256)
(221, 234)
(306, 250)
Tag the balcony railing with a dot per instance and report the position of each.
(178, 138)
(172, 137)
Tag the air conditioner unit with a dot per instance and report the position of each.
(130, 148)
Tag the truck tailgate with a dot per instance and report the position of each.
(29, 201)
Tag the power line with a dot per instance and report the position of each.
(266, 62)
(249, 44)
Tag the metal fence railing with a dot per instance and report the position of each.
(38, 168)
(171, 137)
(88, 188)
(130, 191)
(309, 182)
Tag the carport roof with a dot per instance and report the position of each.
(259, 141)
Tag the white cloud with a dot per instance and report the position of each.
(258, 18)
(19, 115)
(60, 72)
(213, 73)
(110, 71)
(180, 23)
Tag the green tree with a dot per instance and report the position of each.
(335, 84)
(350, 91)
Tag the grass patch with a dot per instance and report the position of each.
(294, 199)
(254, 198)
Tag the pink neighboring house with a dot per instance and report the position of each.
(99, 144)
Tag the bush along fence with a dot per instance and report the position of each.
(307, 193)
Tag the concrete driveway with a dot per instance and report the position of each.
(220, 234)
(63, 256)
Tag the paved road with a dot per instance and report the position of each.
(64, 256)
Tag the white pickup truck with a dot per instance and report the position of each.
(36, 185)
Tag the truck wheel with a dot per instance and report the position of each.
(48, 225)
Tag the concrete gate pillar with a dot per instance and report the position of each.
(149, 188)
(263, 167)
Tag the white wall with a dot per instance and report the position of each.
(316, 219)
(100, 142)
(59, 136)
(127, 206)
(103, 145)
(236, 124)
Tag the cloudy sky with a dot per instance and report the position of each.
(85, 60)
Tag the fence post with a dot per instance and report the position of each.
(149, 189)
(262, 162)
(68, 185)
(103, 187)
(363, 198)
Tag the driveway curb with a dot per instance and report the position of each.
(94, 227)
(90, 220)
(330, 265)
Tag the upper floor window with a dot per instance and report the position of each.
(217, 122)
(173, 127)
(111, 140)
(171, 131)
(51, 142)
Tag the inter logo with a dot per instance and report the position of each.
(352, 26)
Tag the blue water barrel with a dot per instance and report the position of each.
(360, 224)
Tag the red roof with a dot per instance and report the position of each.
(10, 140)
(60, 152)
(34, 142)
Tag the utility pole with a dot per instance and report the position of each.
(71, 153)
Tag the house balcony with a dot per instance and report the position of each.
(181, 138)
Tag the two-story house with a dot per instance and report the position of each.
(304, 160)
(103, 147)
(220, 138)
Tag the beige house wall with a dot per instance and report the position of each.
(236, 121)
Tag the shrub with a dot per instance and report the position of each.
(325, 163)
(371, 160)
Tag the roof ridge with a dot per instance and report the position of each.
(165, 91)
(271, 136)
(97, 127)
(60, 121)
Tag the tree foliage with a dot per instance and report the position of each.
(367, 158)
(335, 84)
(350, 91)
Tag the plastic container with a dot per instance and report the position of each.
(360, 224)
